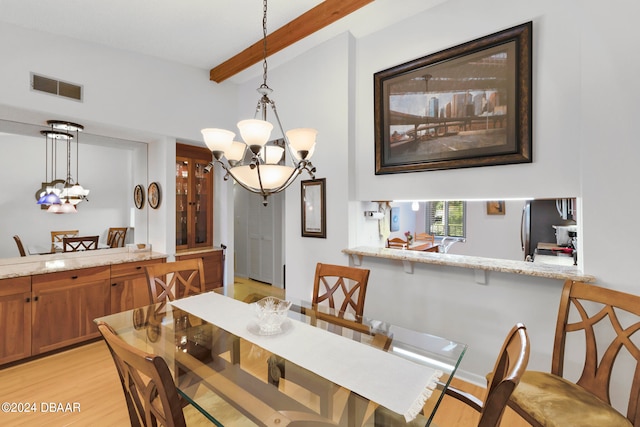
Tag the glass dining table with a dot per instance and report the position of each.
(320, 367)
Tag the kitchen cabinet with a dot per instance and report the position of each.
(15, 319)
(65, 304)
(194, 198)
(129, 287)
(212, 261)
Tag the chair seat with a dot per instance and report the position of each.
(555, 402)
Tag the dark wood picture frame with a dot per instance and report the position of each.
(466, 106)
(138, 196)
(313, 208)
(153, 195)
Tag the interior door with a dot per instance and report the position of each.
(261, 241)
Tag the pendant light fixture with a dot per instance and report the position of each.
(267, 169)
(61, 195)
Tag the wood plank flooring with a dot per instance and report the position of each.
(85, 376)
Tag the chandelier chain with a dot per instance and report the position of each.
(264, 43)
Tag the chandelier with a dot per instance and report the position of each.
(60, 195)
(266, 169)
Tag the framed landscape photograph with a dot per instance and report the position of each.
(466, 106)
(313, 206)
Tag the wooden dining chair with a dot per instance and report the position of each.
(57, 236)
(604, 320)
(116, 237)
(174, 280)
(342, 287)
(151, 395)
(424, 237)
(20, 245)
(79, 243)
(506, 375)
(396, 242)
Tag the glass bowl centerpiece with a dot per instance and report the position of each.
(271, 312)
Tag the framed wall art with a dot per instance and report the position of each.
(466, 106)
(313, 208)
(496, 207)
(138, 196)
(153, 193)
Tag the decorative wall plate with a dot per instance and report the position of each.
(154, 195)
(138, 196)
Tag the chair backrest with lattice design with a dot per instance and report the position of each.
(80, 243)
(116, 237)
(341, 286)
(57, 236)
(606, 321)
(149, 390)
(174, 280)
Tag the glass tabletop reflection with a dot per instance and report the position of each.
(234, 381)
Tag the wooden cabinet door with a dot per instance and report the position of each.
(65, 305)
(194, 198)
(129, 287)
(213, 267)
(15, 319)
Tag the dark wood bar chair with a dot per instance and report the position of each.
(20, 245)
(80, 243)
(396, 242)
(174, 280)
(344, 288)
(604, 320)
(116, 237)
(151, 395)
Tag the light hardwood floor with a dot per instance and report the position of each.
(86, 376)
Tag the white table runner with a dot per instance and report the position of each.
(391, 381)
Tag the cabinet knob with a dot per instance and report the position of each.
(36, 298)
(28, 299)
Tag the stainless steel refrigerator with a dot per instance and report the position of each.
(538, 219)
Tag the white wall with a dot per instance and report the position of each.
(125, 95)
(584, 100)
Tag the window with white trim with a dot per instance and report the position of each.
(446, 218)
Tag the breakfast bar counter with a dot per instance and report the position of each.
(479, 264)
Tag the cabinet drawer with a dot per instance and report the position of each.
(18, 285)
(84, 275)
(132, 268)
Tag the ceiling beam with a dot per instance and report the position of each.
(306, 24)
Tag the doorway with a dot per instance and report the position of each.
(258, 237)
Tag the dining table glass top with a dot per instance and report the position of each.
(320, 367)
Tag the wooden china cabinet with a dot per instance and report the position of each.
(194, 212)
(194, 198)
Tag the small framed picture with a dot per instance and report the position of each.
(313, 208)
(496, 207)
(154, 195)
(138, 196)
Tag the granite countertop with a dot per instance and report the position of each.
(43, 264)
(551, 271)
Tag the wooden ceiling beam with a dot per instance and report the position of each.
(306, 24)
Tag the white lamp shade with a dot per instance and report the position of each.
(217, 139)
(272, 154)
(255, 132)
(302, 139)
(235, 152)
(273, 176)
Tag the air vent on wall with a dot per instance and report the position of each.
(56, 87)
